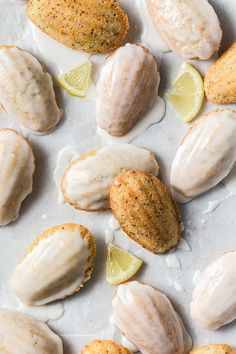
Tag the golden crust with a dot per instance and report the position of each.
(85, 233)
(214, 349)
(104, 347)
(220, 80)
(93, 26)
(145, 210)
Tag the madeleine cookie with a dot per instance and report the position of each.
(147, 319)
(190, 28)
(214, 349)
(104, 347)
(16, 173)
(145, 210)
(126, 89)
(26, 91)
(23, 334)
(205, 156)
(87, 181)
(213, 301)
(93, 26)
(56, 265)
(220, 80)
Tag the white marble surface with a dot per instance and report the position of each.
(87, 314)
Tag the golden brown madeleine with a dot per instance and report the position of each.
(93, 26)
(145, 210)
(16, 173)
(104, 347)
(56, 265)
(220, 80)
(21, 334)
(26, 91)
(214, 349)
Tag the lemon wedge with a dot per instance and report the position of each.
(76, 81)
(188, 92)
(121, 265)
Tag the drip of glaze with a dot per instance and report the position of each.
(154, 116)
(109, 235)
(64, 158)
(150, 36)
(173, 261)
(42, 313)
(230, 181)
(184, 245)
(212, 206)
(113, 224)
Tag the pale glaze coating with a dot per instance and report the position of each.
(26, 91)
(56, 265)
(23, 334)
(213, 301)
(16, 173)
(206, 155)
(147, 318)
(87, 181)
(191, 27)
(126, 89)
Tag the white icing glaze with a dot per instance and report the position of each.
(147, 319)
(55, 268)
(42, 313)
(22, 334)
(109, 236)
(196, 277)
(87, 182)
(173, 261)
(126, 89)
(127, 344)
(113, 224)
(206, 155)
(26, 91)
(184, 245)
(153, 116)
(190, 28)
(64, 158)
(212, 205)
(179, 287)
(213, 301)
(150, 37)
(16, 174)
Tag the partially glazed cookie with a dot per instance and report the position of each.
(26, 91)
(16, 173)
(56, 265)
(23, 334)
(104, 347)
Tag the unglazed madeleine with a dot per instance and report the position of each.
(126, 89)
(206, 155)
(93, 26)
(145, 210)
(191, 28)
(214, 349)
(56, 265)
(21, 334)
(87, 181)
(220, 80)
(104, 347)
(16, 173)
(26, 90)
(213, 301)
(147, 319)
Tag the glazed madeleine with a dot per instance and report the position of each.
(214, 349)
(206, 155)
(22, 334)
(16, 173)
(145, 210)
(147, 319)
(104, 347)
(126, 89)
(220, 80)
(190, 28)
(56, 265)
(26, 91)
(87, 181)
(213, 301)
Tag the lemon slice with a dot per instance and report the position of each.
(188, 92)
(121, 265)
(76, 81)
